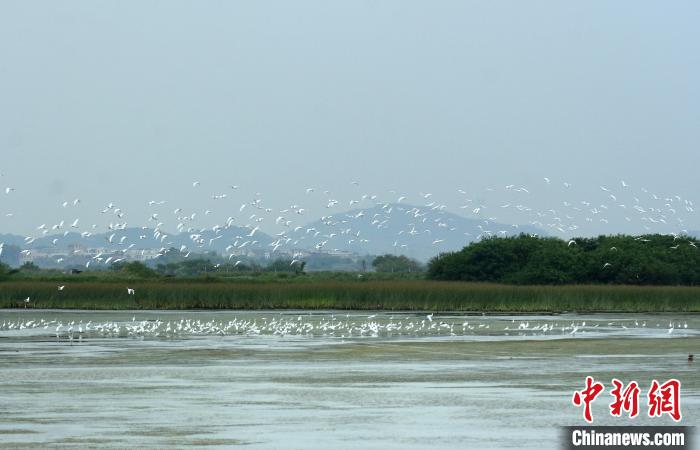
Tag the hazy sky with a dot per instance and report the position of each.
(133, 101)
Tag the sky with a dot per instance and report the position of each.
(133, 101)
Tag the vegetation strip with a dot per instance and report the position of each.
(408, 295)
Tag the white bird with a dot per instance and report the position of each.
(60, 288)
(130, 291)
(195, 183)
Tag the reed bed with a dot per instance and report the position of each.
(369, 295)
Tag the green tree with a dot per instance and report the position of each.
(4, 271)
(283, 265)
(138, 269)
(619, 259)
(396, 264)
(29, 267)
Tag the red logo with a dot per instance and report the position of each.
(625, 400)
(586, 397)
(663, 398)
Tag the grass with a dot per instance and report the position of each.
(419, 295)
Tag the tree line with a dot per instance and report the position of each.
(619, 259)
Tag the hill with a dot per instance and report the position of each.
(414, 231)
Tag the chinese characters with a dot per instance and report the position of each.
(661, 398)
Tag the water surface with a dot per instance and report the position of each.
(270, 379)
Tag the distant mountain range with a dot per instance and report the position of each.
(415, 231)
(147, 238)
(418, 232)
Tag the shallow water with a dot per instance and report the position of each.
(291, 379)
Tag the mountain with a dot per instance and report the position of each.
(12, 239)
(199, 240)
(415, 231)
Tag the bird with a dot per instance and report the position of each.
(691, 358)
(607, 264)
(60, 288)
(130, 291)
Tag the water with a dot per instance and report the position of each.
(295, 380)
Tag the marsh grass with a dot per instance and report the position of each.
(387, 295)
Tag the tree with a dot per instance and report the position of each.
(620, 259)
(4, 271)
(138, 269)
(283, 265)
(395, 264)
(29, 267)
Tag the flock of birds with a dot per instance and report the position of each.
(339, 326)
(342, 229)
